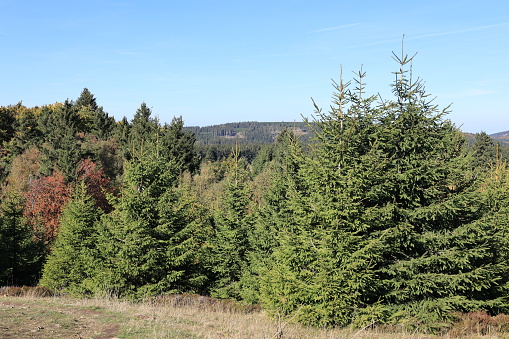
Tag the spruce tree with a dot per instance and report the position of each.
(21, 256)
(93, 118)
(485, 151)
(7, 120)
(153, 240)
(86, 99)
(232, 229)
(317, 268)
(61, 148)
(69, 267)
(386, 222)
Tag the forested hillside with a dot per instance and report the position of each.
(502, 137)
(216, 142)
(375, 212)
(249, 132)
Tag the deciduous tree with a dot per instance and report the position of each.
(45, 201)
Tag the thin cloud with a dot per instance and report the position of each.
(334, 28)
(424, 36)
(471, 92)
(467, 30)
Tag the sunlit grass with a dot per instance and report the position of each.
(187, 316)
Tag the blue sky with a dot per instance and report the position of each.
(216, 61)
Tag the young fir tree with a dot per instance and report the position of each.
(185, 229)
(69, 267)
(21, 256)
(130, 245)
(152, 242)
(485, 151)
(232, 229)
(439, 256)
(178, 144)
(270, 186)
(318, 267)
(385, 224)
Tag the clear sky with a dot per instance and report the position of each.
(217, 61)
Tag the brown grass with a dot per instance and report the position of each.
(24, 313)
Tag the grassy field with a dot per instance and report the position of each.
(196, 317)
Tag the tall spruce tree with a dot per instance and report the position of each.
(386, 222)
(61, 148)
(318, 268)
(179, 145)
(93, 118)
(485, 151)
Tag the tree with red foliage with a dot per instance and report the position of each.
(45, 200)
(96, 183)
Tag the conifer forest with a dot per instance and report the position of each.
(374, 210)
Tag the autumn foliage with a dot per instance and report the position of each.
(97, 184)
(45, 200)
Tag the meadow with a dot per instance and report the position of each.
(27, 314)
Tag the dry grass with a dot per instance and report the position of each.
(184, 316)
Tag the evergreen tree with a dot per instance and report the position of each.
(21, 255)
(438, 255)
(27, 130)
(385, 223)
(485, 151)
(232, 229)
(93, 119)
(61, 146)
(152, 242)
(317, 268)
(86, 99)
(7, 134)
(179, 145)
(271, 219)
(7, 120)
(185, 228)
(70, 265)
(143, 133)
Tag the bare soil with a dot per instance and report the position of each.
(46, 318)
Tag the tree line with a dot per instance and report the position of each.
(387, 216)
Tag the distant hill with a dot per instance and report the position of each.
(248, 132)
(253, 132)
(503, 137)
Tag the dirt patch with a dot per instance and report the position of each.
(109, 332)
(27, 318)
